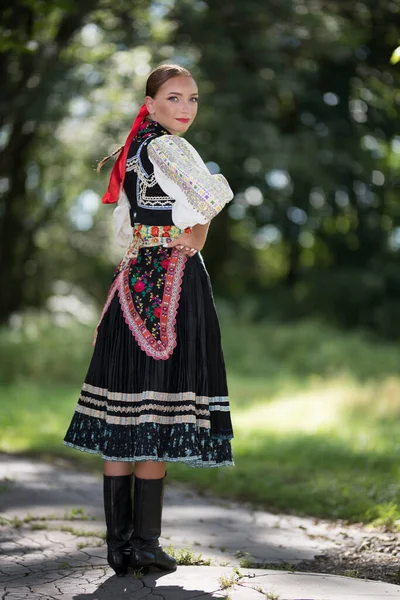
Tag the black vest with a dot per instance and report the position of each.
(149, 204)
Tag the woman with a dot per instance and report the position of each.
(156, 390)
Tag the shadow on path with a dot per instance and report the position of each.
(136, 589)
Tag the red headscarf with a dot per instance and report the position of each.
(118, 172)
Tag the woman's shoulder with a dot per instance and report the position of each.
(174, 151)
(172, 141)
(137, 157)
(139, 145)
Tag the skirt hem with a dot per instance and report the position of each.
(195, 462)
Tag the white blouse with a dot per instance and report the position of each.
(181, 173)
(122, 220)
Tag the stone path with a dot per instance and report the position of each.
(52, 545)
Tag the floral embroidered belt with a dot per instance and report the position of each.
(148, 285)
(158, 232)
(150, 235)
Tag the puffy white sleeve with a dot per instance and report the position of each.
(182, 174)
(122, 221)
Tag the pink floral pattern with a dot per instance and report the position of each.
(148, 283)
(147, 278)
(151, 313)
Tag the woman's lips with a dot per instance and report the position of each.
(183, 120)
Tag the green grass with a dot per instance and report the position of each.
(330, 450)
(186, 556)
(316, 415)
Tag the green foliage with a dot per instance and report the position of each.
(386, 515)
(56, 58)
(395, 58)
(246, 561)
(302, 117)
(351, 573)
(36, 350)
(186, 556)
(77, 514)
(138, 574)
(226, 582)
(298, 351)
(81, 532)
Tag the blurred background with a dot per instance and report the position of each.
(299, 109)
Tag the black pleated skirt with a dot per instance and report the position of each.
(134, 407)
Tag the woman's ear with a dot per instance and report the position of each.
(149, 104)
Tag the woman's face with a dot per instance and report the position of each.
(175, 104)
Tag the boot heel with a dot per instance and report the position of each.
(118, 562)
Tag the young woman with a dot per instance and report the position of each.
(156, 389)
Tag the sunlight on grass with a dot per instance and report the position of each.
(328, 404)
(329, 450)
(317, 409)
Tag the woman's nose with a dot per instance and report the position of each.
(186, 108)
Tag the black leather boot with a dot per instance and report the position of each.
(118, 512)
(147, 512)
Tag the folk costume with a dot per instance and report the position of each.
(156, 386)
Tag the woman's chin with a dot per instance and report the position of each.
(180, 127)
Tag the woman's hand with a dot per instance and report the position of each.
(191, 243)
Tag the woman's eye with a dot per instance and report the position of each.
(173, 98)
(195, 99)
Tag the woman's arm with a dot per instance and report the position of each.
(191, 243)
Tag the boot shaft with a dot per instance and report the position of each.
(146, 550)
(117, 495)
(147, 514)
